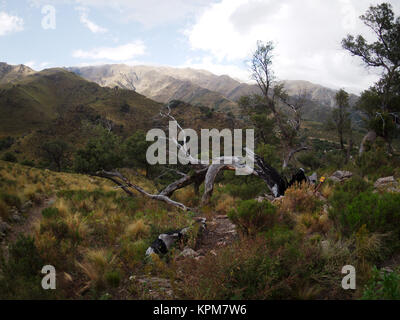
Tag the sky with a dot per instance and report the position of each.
(215, 35)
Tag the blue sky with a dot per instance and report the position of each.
(216, 35)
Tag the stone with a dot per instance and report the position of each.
(188, 253)
(16, 218)
(339, 176)
(325, 246)
(313, 178)
(386, 182)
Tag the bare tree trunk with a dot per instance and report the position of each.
(349, 148)
(290, 154)
(370, 137)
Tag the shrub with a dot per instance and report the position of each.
(49, 212)
(20, 276)
(379, 213)
(137, 230)
(113, 278)
(6, 143)
(28, 163)
(134, 252)
(383, 285)
(96, 264)
(255, 268)
(300, 199)
(10, 157)
(252, 216)
(10, 199)
(375, 162)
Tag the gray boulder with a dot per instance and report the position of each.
(339, 176)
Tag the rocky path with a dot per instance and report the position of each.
(25, 225)
(220, 231)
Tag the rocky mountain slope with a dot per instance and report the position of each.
(200, 87)
(11, 73)
(58, 104)
(159, 84)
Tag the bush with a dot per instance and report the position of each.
(255, 269)
(100, 153)
(113, 278)
(375, 162)
(28, 163)
(20, 276)
(10, 157)
(10, 199)
(252, 216)
(300, 199)
(6, 143)
(383, 285)
(346, 192)
(50, 212)
(378, 212)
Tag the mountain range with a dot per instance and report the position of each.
(58, 104)
(200, 87)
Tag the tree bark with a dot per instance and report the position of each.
(370, 137)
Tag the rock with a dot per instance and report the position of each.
(325, 246)
(265, 197)
(386, 182)
(313, 178)
(223, 216)
(50, 202)
(386, 269)
(157, 288)
(339, 176)
(278, 200)
(188, 253)
(16, 218)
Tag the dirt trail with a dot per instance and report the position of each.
(32, 216)
(25, 227)
(220, 231)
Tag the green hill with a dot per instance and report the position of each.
(58, 104)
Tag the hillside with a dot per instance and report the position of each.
(201, 87)
(10, 73)
(157, 84)
(55, 103)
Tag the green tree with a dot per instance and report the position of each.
(55, 152)
(381, 103)
(135, 150)
(341, 116)
(103, 152)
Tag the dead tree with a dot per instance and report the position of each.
(288, 124)
(206, 173)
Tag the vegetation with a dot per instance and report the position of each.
(55, 207)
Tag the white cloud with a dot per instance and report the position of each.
(10, 24)
(84, 18)
(307, 36)
(119, 53)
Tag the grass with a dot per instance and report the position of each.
(97, 236)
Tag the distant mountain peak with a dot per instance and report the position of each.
(11, 73)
